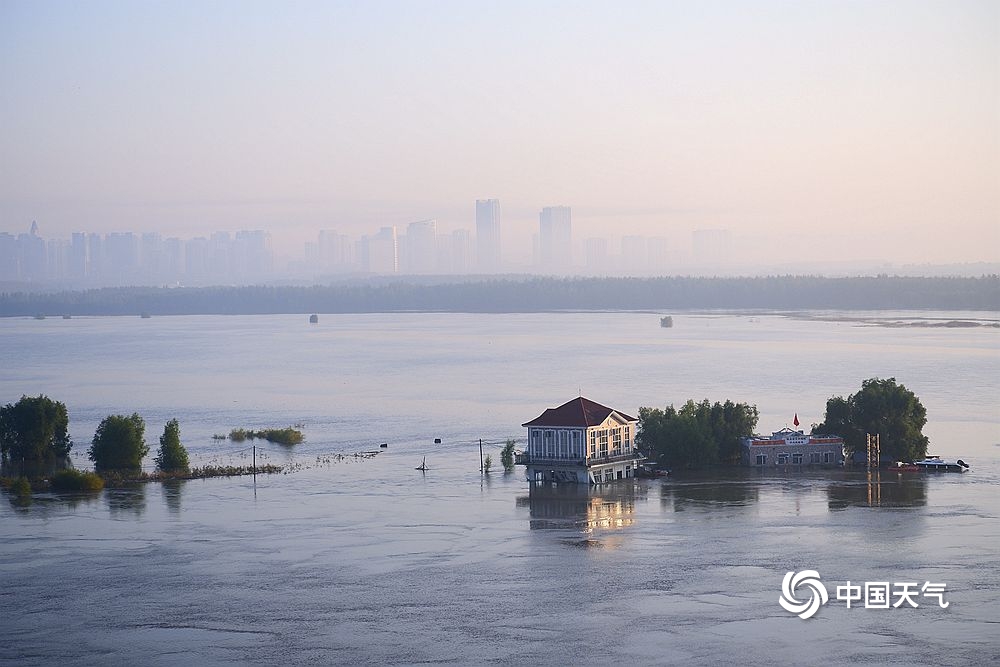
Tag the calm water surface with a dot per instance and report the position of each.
(350, 560)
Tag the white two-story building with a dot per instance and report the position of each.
(581, 442)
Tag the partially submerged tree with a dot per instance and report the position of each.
(172, 457)
(507, 456)
(33, 432)
(884, 408)
(119, 444)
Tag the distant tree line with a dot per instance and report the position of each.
(510, 295)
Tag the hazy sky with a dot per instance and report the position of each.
(860, 129)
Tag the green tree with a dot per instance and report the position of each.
(696, 435)
(881, 407)
(119, 444)
(487, 464)
(33, 432)
(172, 456)
(507, 456)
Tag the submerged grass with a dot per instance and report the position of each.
(119, 477)
(282, 436)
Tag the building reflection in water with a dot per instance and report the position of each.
(580, 507)
(879, 488)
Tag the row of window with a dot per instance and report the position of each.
(565, 443)
(796, 458)
(599, 441)
(611, 475)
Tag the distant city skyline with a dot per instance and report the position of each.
(858, 131)
(88, 259)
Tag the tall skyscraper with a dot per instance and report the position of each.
(555, 239)
(380, 252)
(488, 234)
(421, 247)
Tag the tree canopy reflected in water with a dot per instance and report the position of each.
(126, 502)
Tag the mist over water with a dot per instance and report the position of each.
(352, 560)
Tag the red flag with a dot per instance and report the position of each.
(796, 420)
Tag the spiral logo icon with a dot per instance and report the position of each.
(817, 593)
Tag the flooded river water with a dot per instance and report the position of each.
(351, 560)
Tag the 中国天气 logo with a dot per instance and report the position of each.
(807, 579)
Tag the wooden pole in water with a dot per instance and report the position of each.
(255, 462)
(480, 455)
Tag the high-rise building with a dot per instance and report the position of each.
(421, 247)
(33, 255)
(334, 252)
(380, 252)
(96, 265)
(488, 235)
(555, 239)
(78, 256)
(121, 253)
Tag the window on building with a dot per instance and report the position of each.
(782, 460)
(797, 458)
(628, 439)
(616, 442)
(609, 475)
(827, 457)
(536, 440)
(761, 459)
(603, 442)
(814, 457)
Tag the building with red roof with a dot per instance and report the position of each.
(581, 442)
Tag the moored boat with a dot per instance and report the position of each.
(937, 464)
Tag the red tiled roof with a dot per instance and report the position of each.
(579, 412)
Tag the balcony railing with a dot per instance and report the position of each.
(524, 458)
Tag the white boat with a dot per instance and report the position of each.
(937, 464)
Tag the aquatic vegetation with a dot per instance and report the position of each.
(21, 487)
(507, 455)
(76, 480)
(282, 436)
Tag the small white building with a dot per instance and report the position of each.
(789, 447)
(581, 442)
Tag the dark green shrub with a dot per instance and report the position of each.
(76, 480)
